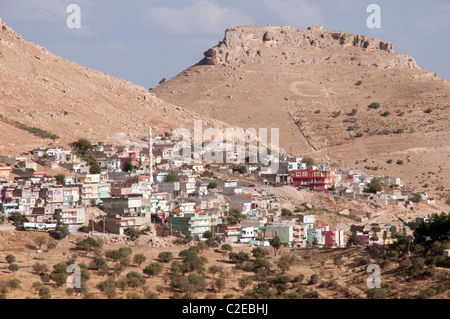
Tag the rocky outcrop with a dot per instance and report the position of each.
(254, 41)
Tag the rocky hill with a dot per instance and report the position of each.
(316, 84)
(39, 90)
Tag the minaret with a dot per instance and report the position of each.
(150, 154)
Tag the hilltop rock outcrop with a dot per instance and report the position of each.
(253, 41)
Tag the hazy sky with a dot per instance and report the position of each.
(143, 41)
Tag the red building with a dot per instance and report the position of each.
(314, 178)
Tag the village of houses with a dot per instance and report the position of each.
(199, 199)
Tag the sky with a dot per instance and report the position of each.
(143, 41)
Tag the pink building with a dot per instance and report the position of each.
(366, 239)
(332, 237)
(121, 191)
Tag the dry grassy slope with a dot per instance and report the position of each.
(256, 80)
(73, 101)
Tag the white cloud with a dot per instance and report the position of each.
(200, 17)
(293, 13)
(35, 11)
(436, 21)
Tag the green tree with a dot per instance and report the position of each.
(88, 243)
(285, 263)
(241, 169)
(18, 219)
(239, 257)
(313, 279)
(352, 240)
(61, 231)
(244, 282)
(36, 286)
(98, 263)
(220, 284)
(82, 146)
(275, 242)
(51, 244)
(13, 267)
(208, 234)
(132, 234)
(214, 269)
(95, 168)
(40, 268)
(377, 293)
(235, 215)
(172, 176)
(61, 179)
(212, 185)
(416, 198)
(309, 161)
(153, 269)
(286, 212)
(45, 293)
(10, 259)
(165, 256)
(113, 254)
(259, 252)
(375, 185)
(135, 280)
(139, 259)
(127, 167)
(226, 248)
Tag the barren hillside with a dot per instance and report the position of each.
(315, 85)
(41, 90)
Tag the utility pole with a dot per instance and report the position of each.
(327, 155)
(150, 169)
(150, 154)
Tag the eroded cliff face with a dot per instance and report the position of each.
(247, 43)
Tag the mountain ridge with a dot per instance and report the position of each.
(315, 85)
(44, 91)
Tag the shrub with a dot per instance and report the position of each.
(384, 114)
(45, 293)
(335, 114)
(153, 269)
(85, 229)
(374, 105)
(314, 279)
(416, 198)
(311, 295)
(428, 111)
(139, 259)
(13, 267)
(61, 231)
(309, 161)
(352, 113)
(10, 259)
(377, 293)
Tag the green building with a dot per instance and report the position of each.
(191, 224)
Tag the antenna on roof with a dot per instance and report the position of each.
(327, 153)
